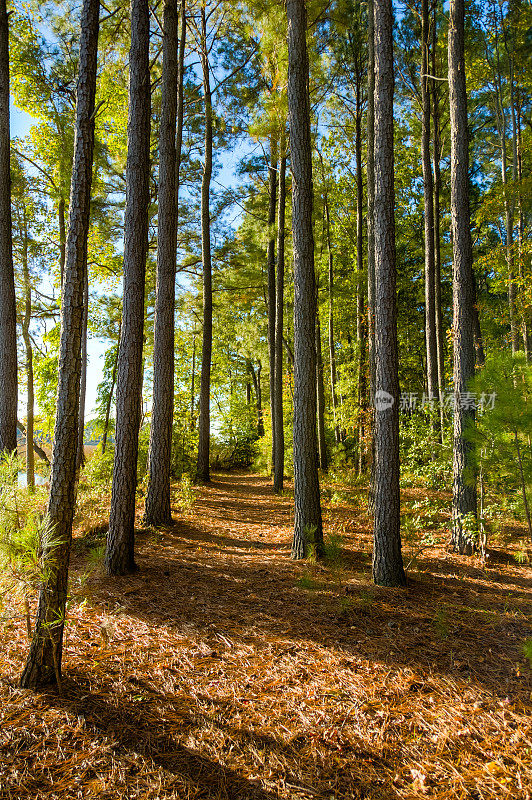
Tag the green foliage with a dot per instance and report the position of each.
(186, 494)
(423, 458)
(98, 470)
(527, 650)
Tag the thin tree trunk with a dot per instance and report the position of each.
(428, 193)
(523, 485)
(387, 559)
(43, 664)
(361, 326)
(320, 397)
(278, 461)
(30, 402)
(436, 155)
(255, 376)
(203, 474)
(80, 458)
(40, 452)
(464, 491)
(272, 202)
(8, 310)
(332, 352)
(193, 386)
(308, 532)
(370, 125)
(120, 554)
(157, 508)
(110, 399)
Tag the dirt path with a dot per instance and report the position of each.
(222, 669)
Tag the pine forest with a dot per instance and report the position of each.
(266, 399)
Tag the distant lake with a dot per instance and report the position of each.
(23, 480)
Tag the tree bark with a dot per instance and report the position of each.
(43, 665)
(110, 398)
(387, 559)
(30, 402)
(428, 195)
(8, 310)
(157, 508)
(80, 458)
(120, 553)
(62, 238)
(436, 155)
(332, 351)
(320, 397)
(370, 125)
(272, 203)
(308, 532)
(203, 472)
(278, 460)
(255, 376)
(361, 326)
(464, 492)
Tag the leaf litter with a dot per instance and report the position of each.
(222, 669)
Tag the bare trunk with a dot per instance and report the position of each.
(320, 397)
(120, 554)
(272, 202)
(464, 491)
(361, 326)
(278, 461)
(387, 559)
(430, 305)
(43, 664)
(80, 458)
(206, 351)
(332, 352)
(8, 311)
(436, 154)
(370, 125)
(110, 400)
(308, 532)
(157, 509)
(30, 402)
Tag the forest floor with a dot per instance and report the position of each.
(222, 669)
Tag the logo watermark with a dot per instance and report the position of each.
(410, 401)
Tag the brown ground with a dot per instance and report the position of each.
(224, 670)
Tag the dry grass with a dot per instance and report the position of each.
(224, 670)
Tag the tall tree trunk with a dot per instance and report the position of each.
(193, 386)
(428, 192)
(8, 310)
(320, 397)
(157, 509)
(387, 559)
(308, 531)
(278, 460)
(43, 664)
(436, 155)
(370, 125)
(272, 202)
(30, 402)
(332, 351)
(206, 351)
(120, 554)
(361, 326)
(464, 492)
(526, 325)
(80, 458)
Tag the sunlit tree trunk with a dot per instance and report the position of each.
(370, 126)
(387, 559)
(203, 473)
(157, 509)
(320, 397)
(272, 204)
(120, 553)
(464, 490)
(80, 458)
(26, 320)
(43, 664)
(308, 532)
(8, 311)
(278, 460)
(428, 194)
